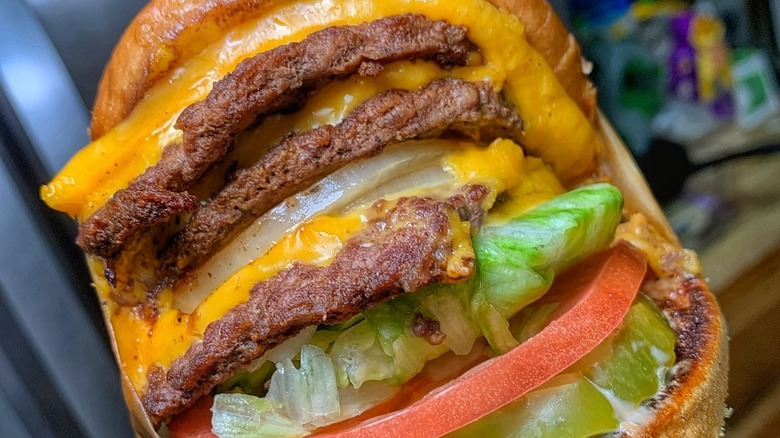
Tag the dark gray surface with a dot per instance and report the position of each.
(38, 88)
(84, 33)
(57, 375)
(57, 370)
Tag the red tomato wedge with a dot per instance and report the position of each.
(195, 422)
(595, 297)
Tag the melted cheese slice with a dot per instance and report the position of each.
(504, 168)
(555, 128)
(142, 344)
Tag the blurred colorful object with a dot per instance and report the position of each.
(708, 36)
(598, 14)
(699, 68)
(755, 88)
(683, 84)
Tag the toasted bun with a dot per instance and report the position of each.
(166, 33)
(693, 405)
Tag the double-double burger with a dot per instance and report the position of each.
(376, 218)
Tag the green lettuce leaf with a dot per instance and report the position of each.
(517, 261)
(243, 416)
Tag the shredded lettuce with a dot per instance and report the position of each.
(373, 353)
(531, 320)
(358, 357)
(253, 380)
(249, 382)
(244, 416)
(381, 348)
(494, 326)
(392, 323)
(324, 337)
(449, 306)
(517, 261)
(298, 401)
(290, 348)
(308, 395)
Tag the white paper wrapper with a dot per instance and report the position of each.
(624, 173)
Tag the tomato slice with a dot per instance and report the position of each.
(195, 422)
(594, 297)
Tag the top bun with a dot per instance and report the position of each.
(167, 33)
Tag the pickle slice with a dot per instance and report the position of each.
(642, 352)
(569, 406)
(629, 367)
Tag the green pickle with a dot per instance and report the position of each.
(628, 368)
(642, 352)
(556, 410)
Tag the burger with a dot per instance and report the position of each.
(365, 218)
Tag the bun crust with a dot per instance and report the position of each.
(166, 33)
(693, 404)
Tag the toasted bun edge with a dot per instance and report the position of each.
(166, 33)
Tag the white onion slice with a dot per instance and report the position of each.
(403, 167)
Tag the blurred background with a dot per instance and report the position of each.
(691, 86)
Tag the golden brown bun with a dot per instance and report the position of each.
(695, 407)
(166, 33)
(694, 404)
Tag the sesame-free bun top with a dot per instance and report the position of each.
(167, 33)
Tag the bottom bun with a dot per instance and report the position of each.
(693, 404)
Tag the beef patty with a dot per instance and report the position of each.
(273, 81)
(405, 247)
(300, 160)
